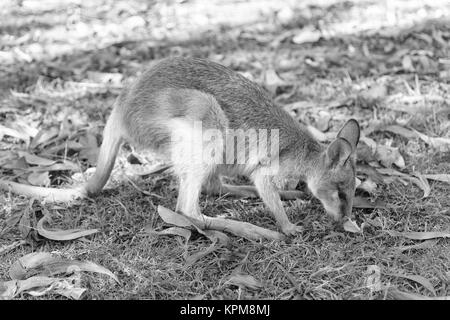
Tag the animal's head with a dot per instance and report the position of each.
(333, 181)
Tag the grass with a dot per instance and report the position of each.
(321, 263)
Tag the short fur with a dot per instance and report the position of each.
(171, 96)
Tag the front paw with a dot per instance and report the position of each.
(291, 229)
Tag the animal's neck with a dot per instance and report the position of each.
(303, 159)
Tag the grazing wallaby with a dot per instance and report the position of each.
(178, 102)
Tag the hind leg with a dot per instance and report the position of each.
(191, 181)
(214, 186)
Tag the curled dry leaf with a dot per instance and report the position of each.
(442, 144)
(245, 280)
(144, 170)
(272, 81)
(38, 286)
(351, 226)
(46, 264)
(190, 260)
(416, 278)
(368, 185)
(389, 155)
(414, 235)
(438, 177)
(175, 231)
(423, 245)
(238, 228)
(401, 295)
(363, 203)
(418, 180)
(62, 235)
(36, 160)
(39, 178)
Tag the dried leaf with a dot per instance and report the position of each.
(401, 295)
(7, 248)
(417, 278)
(176, 231)
(363, 203)
(199, 255)
(35, 160)
(374, 94)
(62, 235)
(307, 34)
(44, 136)
(438, 177)
(442, 144)
(351, 226)
(400, 131)
(38, 286)
(368, 185)
(419, 180)
(419, 235)
(389, 155)
(272, 81)
(144, 170)
(423, 245)
(39, 179)
(21, 135)
(245, 280)
(45, 264)
(174, 218)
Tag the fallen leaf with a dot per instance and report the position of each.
(35, 160)
(401, 295)
(423, 245)
(374, 94)
(363, 203)
(400, 131)
(442, 144)
(351, 226)
(44, 136)
(38, 286)
(368, 185)
(39, 179)
(419, 235)
(21, 135)
(407, 63)
(45, 264)
(62, 235)
(9, 247)
(416, 278)
(272, 81)
(244, 280)
(389, 155)
(307, 34)
(438, 177)
(144, 170)
(174, 218)
(418, 180)
(176, 231)
(190, 260)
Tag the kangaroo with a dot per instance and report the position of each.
(170, 108)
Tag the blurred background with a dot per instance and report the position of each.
(385, 63)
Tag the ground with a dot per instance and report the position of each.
(381, 62)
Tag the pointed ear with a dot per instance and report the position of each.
(350, 132)
(338, 152)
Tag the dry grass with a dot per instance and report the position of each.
(322, 263)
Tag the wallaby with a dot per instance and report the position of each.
(172, 103)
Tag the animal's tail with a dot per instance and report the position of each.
(112, 138)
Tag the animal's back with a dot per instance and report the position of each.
(245, 104)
